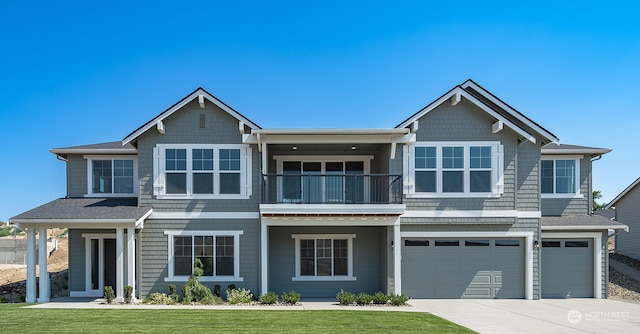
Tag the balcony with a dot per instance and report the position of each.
(372, 189)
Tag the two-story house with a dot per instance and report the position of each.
(467, 198)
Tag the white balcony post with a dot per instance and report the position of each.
(119, 264)
(42, 262)
(131, 260)
(31, 266)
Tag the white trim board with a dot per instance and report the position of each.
(597, 255)
(470, 214)
(528, 247)
(205, 215)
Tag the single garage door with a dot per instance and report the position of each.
(567, 268)
(463, 267)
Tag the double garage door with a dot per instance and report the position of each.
(463, 267)
(567, 268)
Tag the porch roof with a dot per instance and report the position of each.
(581, 222)
(85, 212)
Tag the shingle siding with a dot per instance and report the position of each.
(76, 176)
(184, 128)
(572, 206)
(155, 252)
(628, 212)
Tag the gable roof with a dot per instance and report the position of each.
(624, 192)
(555, 148)
(493, 106)
(195, 94)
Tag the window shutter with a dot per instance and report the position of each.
(498, 172)
(246, 172)
(158, 171)
(408, 170)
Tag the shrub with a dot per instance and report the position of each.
(345, 297)
(290, 298)
(128, 291)
(363, 298)
(108, 294)
(3, 300)
(269, 298)
(398, 300)
(211, 300)
(231, 287)
(160, 299)
(380, 298)
(239, 296)
(193, 290)
(173, 292)
(216, 290)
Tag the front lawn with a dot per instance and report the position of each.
(16, 319)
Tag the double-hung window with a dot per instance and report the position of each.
(454, 169)
(559, 176)
(323, 257)
(202, 171)
(218, 251)
(111, 176)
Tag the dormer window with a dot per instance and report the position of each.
(111, 176)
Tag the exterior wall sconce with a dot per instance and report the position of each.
(392, 245)
(295, 147)
(536, 245)
(353, 147)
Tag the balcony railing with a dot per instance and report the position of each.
(332, 189)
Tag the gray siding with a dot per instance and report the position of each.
(154, 252)
(77, 264)
(183, 127)
(367, 255)
(466, 122)
(572, 206)
(628, 212)
(76, 176)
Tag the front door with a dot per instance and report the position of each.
(110, 263)
(101, 261)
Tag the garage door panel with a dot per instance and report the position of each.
(567, 268)
(472, 269)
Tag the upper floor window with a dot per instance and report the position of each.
(559, 177)
(454, 169)
(202, 171)
(111, 176)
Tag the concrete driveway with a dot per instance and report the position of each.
(537, 316)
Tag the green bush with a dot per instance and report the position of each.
(269, 298)
(160, 299)
(398, 300)
(380, 298)
(211, 300)
(216, 290)
(363, 298)
(231, 287)
(3, 300)
(193, 290)
(290, 298)
(128, 291)
(108, 294)
(345, 297)
(239, 296)
(173, 294)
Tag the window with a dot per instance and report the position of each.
(507, 243)
(410, 243)
(474, 243)
(323, 257)
(576, 243)
(217, 250)
(449, 243)
(560, 177)
(202, 171)
(455, 169)
(111, 176)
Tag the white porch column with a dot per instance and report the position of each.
(131, 260)
(264, 260)
(31, 265)
(119, 264)
(43, 296)
(397, 258)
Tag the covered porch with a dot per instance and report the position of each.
(119, 215)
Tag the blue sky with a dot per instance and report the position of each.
(85, 72)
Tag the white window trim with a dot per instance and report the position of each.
(349, 237)
(236, 255)
(497, 170)
(91, 158)
(577, 193)
(159, 172)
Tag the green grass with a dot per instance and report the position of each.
(16, 319)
